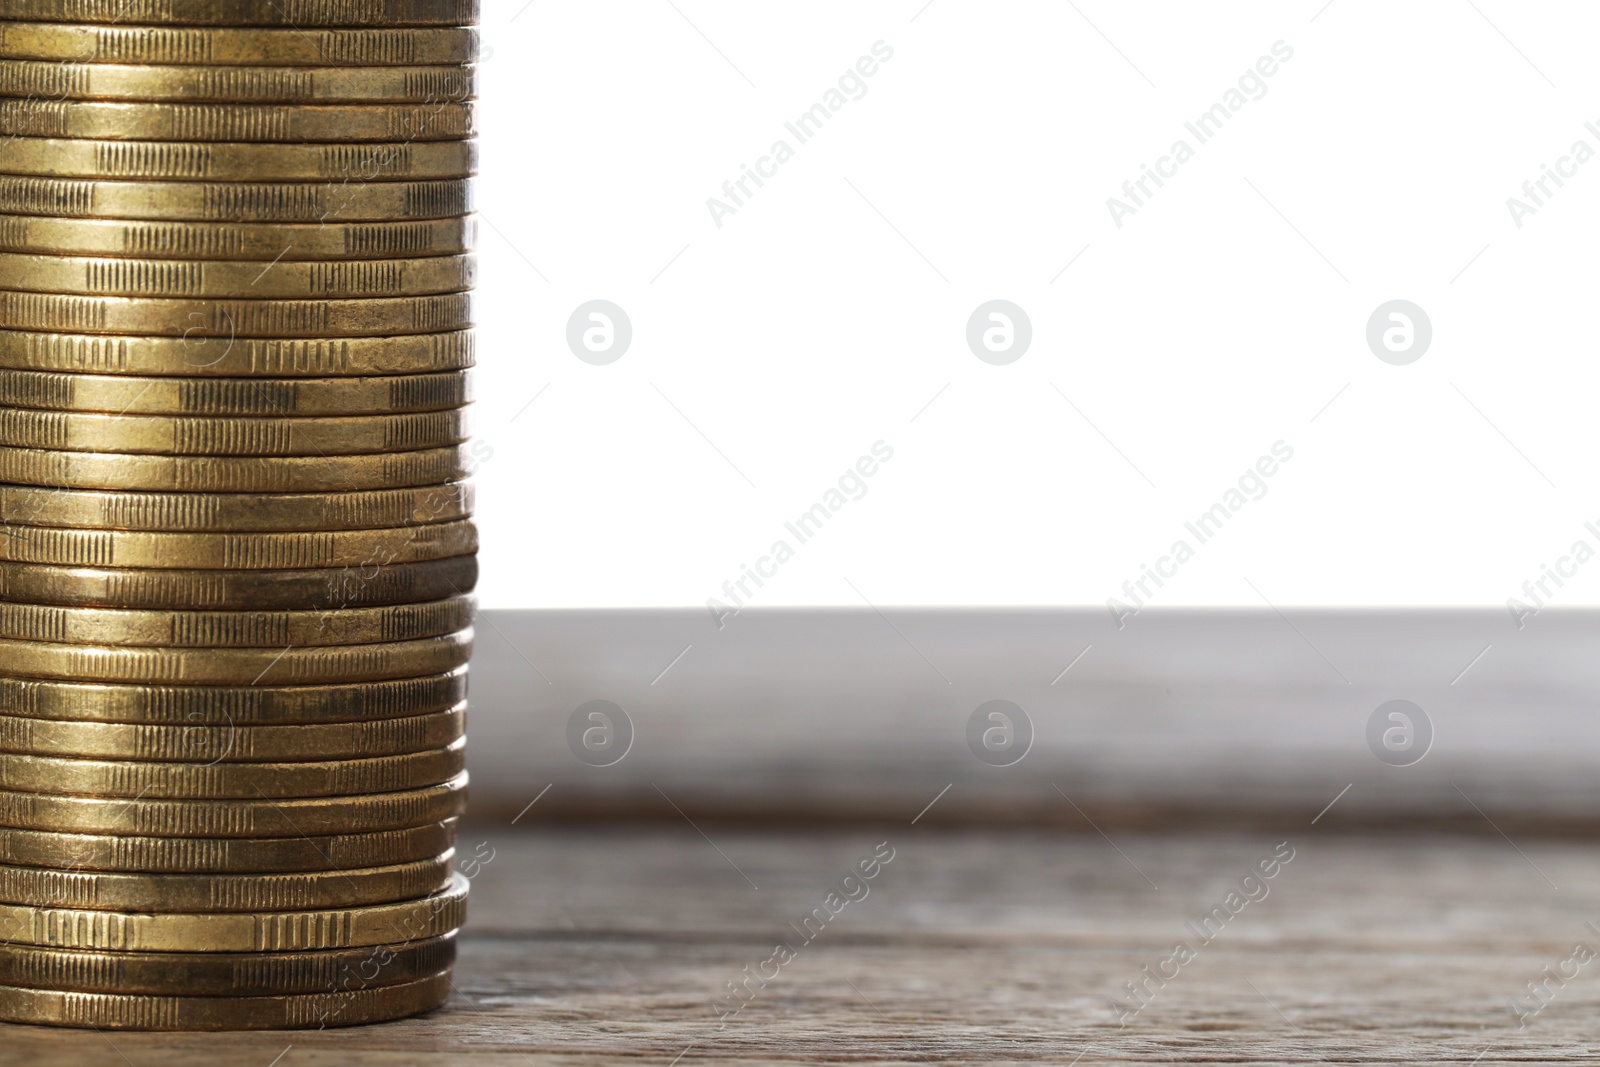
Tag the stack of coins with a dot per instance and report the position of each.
(237, 557)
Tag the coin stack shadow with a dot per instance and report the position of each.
(236, 559)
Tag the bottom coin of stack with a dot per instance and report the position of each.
(226, 857)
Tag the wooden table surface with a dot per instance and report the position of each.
(615, 945)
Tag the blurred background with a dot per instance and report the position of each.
(850, 366)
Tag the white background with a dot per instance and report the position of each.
(1227, 314)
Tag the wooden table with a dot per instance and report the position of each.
(1171, 758)
(612, 945)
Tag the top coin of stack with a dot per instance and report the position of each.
(236, 548)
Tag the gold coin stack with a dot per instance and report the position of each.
(236, 555)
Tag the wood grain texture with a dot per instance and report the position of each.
(610, 947)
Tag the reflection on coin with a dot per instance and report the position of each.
(139, 395)
(214, 436)
(192, 590)
(237, 666)
(349, 201)
(222, 974)
(230, 781)
(265, 241)
(236, 278)
(234, 512)
(172, 317)
(203, 356)
(355, 707)
(233, 474)
(237, 122)
(113, 1011)
(234, 818)
(237, 551)
(234, 629)
(219, 855)
(177, 45)
(228, 743)
(177, 161)
(236, 84)
(102, 891)
(284, 931)
(295, 16)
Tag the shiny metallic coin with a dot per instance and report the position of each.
(332, 665)
(198, 436)
(295, 819)
(269, 123)
(103, 891)
(235, 474)
(298, 202)
(283, 931)
(234, 512)
(191, 590)
(264, 241)
(236, 84)
(116, 1011)
(222, 855)
(226, 320)
(178, 46)
(143, 395)
(222, 974)
(228, 743)
(199, 161)
(240, 279)
(295, 15)
(234, 629)
(353, 707)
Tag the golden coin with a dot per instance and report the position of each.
(236, 84)
(196, 436)
(220, 357)
(235, 512)
(348, 201)
(234, 474)
(188, 590)
(221, 974)
(244, 551)
(225, 45)
(120, 1011)
(235, 278)
(179, 161)
(222, 855)
(236, 666)
(395, 923)
(234, 629)
(223, 320)
(229, 743)
(231, 781)
(131, 395)
(273, 123)
(312, 708)
(297, 15)
(317, 816)
(102, 891)
(266, 241)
